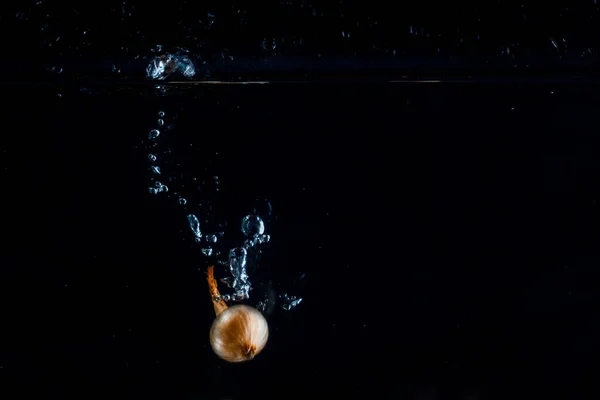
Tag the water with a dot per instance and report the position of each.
(409, 197)
(441, 227)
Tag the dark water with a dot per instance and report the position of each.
(447, 233)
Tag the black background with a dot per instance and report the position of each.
(447, 231)
(447, 234)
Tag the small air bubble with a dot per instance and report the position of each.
(290, 302)
(264, 238)
(153, 134)
(211, 238)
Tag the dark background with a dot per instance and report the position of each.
(447, 234)
(447, 231)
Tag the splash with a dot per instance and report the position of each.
(165, 65)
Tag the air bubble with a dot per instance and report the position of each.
(156, 169)
(182, 201)
(261, 306)
(211, 238)
(290, 302)
(151, 157)
(153, 134)
(252, 225)
(160, 187)
(264, 238)
(194, 225)
(207, 251)
(237, 267)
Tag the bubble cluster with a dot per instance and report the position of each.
(237, 268)
(253, 228)
(301, 35)
(289, 302)
(162, 66)
(158, 188)
(210, 236)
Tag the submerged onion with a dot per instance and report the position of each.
(239, 333)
